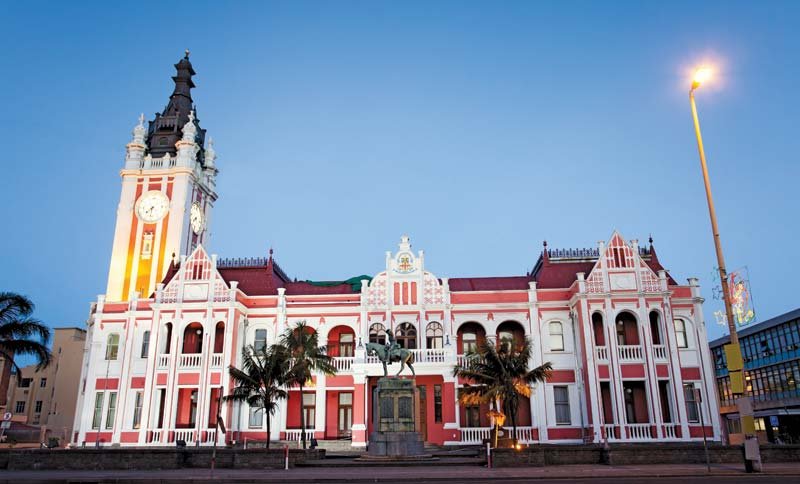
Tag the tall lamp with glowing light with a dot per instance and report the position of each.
(733, 352)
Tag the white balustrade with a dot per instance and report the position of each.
(343, 364)
(524, 434)
(184, 435)
(659, 352)
(190, 361)
(373, 359)
(608, 430)
(629, 353)
(640, 431)
(429, 355)
(475, 435)
(293, 435)
(154, 437)
(216, 360)
(602, 353)
(670, 431)
(163, 361)
(208, 436)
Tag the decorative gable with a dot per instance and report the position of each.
(621, 268)
(197, 279)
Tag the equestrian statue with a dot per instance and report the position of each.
(391, 352)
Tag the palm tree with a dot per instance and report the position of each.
(20, 333)
(499, 375)
(307, 356)
(261, 379)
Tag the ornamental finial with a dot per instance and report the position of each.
(187, 54)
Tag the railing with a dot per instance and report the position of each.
(343, 364)
(154, 436)
(609, 432)
(208, 436)
(660, 352)
(670, 431)
(293, 435)
(429, 355)
(190, 361)
(640, 431)
(475, 435)
(629, 352)
(462, 360)
(373, 359)
(602, 353)
(162, 361)
(524, 434)
(184, 435)
(216, 360)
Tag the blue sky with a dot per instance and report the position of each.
(478, 128)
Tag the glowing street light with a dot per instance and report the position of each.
(733, 351)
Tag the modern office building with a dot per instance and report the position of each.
(771, 353)
(626, 340)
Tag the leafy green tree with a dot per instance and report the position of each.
(307, 356)
(261, 380)
(20, 333)
(499, 375)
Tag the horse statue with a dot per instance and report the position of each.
(390, 355)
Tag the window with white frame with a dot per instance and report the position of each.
(112, 346)
(434, 335)
(561, 403)
(556, 336)
(98, 410)
(256, 420)
(138, 402)
(680, 334)
(112, 410)
(260, 342)
(692, 407)
(145, 344)
(309, 412)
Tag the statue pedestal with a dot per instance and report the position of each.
(396, 433)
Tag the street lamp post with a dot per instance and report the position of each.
(733, 351)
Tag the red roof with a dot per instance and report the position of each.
(560, 275)
(511, 283)
(253, 281)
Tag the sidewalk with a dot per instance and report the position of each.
(471, 474)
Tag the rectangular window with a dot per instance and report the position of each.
(309, 413)
(137, 409)
(346, 344)
(98, 410)
(437, 403)
(112, 346)
(145, 344)
(734, 426)
(256, 420)
(20, 407)
(112, 410)
(561, 401)
(345, 414)
(261, 340)
(680, 334)
(37, 408)
(692, 410)
(472, 415)
(43, 383)
(25, 382)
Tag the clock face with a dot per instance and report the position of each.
(196, 218)
(152, 206)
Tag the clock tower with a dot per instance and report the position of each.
(168, 191)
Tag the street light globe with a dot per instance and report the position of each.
(701, 75)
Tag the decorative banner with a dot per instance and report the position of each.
(741, 297)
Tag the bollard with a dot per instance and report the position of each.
(286, 457)
(488, 455)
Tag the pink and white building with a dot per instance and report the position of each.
(627, 342)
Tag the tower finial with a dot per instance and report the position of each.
(187, 54)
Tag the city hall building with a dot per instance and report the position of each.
(627, 342)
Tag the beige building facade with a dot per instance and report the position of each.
(47, 398)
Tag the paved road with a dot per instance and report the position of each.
(594, 474)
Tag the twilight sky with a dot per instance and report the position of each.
(478, 128)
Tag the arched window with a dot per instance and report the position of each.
(599, 330)
(470, 335)
(627, 329)
(510, 332)
(260, 342)
(145, 344)
(219, 337)
(655, 327)
(680, 333)
(193, 338)
(434, 335)
(556, 336)
(377, 334)
(406, 336)
(112, 346)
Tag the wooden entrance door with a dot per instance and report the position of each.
(423, 413)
